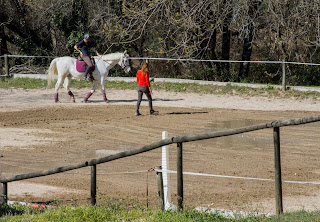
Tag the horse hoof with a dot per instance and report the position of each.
(85, 100)
(73, 100)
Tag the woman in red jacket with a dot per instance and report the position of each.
(144, 87)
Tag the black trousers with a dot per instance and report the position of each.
(145, 90)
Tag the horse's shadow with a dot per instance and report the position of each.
(112, 101)
(167, 100)
(184, 113)
(95, 101)
(143, 100)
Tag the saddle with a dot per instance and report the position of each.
(81, 66)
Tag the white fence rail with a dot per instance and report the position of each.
(132, 79)
(283, 64)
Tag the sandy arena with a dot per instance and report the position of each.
(36, 134)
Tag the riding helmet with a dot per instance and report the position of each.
(86, 36)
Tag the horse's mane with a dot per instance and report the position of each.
(112, 56)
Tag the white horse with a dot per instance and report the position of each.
(65, 68)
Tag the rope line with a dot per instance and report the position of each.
(230, 61)
(236, 177)
(185, 173)
(188, 60)
(21, 56)
(101, 173)
(115, 173)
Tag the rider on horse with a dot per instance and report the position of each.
(84, 45)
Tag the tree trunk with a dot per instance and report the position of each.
(226, 38)
(3, 41)
(248, 38)
(213, 55)
(246, 53)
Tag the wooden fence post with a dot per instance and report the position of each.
(93, 184)
(4, 193)
(179, 176)
(284, 84)
(277, 163)
(6, 65)
(160, 188)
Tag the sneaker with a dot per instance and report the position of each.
(137, 113)
(153, 112)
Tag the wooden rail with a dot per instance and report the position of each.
(179, 141)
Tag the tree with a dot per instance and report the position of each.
(13, 16)
(192, 29)
(251, 14)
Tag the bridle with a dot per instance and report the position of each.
(124, 65)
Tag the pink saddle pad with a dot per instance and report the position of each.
(80, 66)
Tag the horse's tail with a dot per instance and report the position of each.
(52, 71)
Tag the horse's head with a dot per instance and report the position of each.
(124, 62)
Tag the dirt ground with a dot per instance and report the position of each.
(37, 134)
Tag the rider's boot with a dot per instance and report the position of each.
(86, 73)
(91, 77)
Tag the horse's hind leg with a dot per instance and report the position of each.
(58, 85)
(66, 86)
(103, 90)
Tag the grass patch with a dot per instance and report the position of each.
(23, 83)
(27, 83)
(109, 213)
(96, 213)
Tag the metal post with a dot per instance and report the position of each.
(160, 188)
(277, 162)
(284, 84)
(6, 65)
(179, 176)
(93, 184)
(165, 175)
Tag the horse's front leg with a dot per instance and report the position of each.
(66, 86)
(94, 86)
(103, 90)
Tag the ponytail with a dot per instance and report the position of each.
(144, 68)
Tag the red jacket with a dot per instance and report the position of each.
(143, 79)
